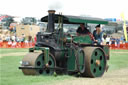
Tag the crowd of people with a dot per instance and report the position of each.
(115, 41)
(15, 41)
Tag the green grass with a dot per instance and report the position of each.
(11, 75)
(12, 50)
(118, 60)
(119, 50)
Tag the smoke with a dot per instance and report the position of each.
(55, 5)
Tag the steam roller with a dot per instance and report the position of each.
(35, 65)
(60, 52)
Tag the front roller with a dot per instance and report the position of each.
(95, 62)
(33, 64)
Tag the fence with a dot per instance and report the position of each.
(16, 44)
(120, 46)
(32, 44)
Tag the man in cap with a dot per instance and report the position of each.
(82, 30)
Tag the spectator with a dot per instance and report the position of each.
(118, 42)
(108, 40)
(112, 39)
(122, 39)
(17, 39)
(14, 44)
(0, 38)
(29, 38)
(104, 36)
(13, 38)
(8, 38)
(35, 39)
(23, 38)
(9, 43)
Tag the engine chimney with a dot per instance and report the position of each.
(51, 20)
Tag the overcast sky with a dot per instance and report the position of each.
(39, 8)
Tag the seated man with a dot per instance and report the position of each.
(82, 30)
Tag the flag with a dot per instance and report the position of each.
(124, 27)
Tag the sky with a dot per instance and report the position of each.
(39, 8)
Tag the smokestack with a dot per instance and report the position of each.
(51, 20)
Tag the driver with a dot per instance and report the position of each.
(82, 30)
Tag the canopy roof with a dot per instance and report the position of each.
(67, 19)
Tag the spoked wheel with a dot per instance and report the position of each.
(51, 65)
(37, 60)
(95, 62)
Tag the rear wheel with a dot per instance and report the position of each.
(95, 62)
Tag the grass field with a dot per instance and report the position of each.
(11, 75)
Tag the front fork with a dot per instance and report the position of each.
(45, 51)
